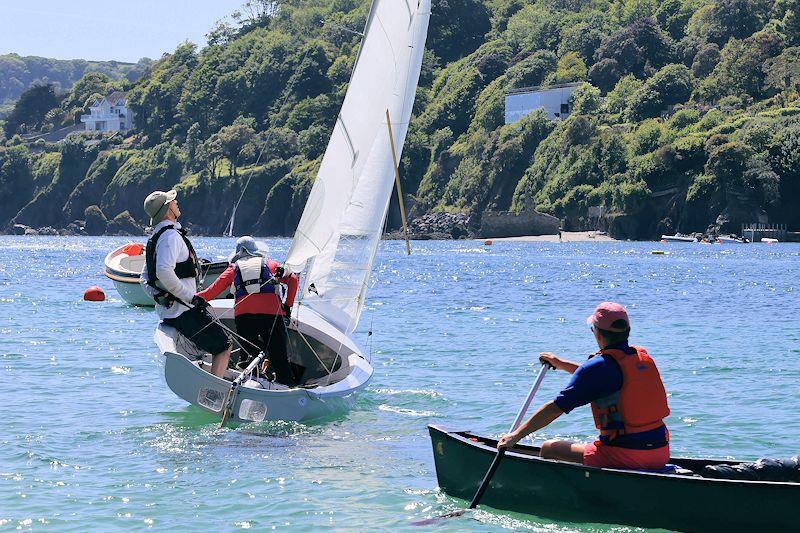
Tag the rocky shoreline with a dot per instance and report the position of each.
(430, 226)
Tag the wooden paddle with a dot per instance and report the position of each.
(497, 458)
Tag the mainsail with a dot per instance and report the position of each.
(343, 218)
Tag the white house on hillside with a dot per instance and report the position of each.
(109, 114)
(555, 100)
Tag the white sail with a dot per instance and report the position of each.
(342, 222)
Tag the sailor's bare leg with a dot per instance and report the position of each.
(563, 450)
(220, 362)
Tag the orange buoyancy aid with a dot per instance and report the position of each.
(640, 405)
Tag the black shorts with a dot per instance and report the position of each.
(197, 325)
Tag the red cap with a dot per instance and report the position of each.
(605, 314)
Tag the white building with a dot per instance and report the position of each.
(109, 114)
(555, 99)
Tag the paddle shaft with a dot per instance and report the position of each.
(501, 452)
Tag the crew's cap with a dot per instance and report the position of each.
(609, 316)
(155, 205)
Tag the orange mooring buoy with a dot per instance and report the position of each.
(94, 294)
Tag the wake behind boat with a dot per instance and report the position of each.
(124, 265)
(678, 499)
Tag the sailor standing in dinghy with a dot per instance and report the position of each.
(170, 278)
(259, 310)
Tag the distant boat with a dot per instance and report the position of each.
(769, 240)
(335, 242)
(732, 238)
(678, 238)
(124, 266)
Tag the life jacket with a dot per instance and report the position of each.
(252, 275)
(184, 269)
(640, 405)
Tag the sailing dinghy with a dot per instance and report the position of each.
(335, 242)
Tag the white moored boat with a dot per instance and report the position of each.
(731, 239)
(335, 242)
(124, 266)
(678, 238)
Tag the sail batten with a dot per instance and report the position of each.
(342, 222)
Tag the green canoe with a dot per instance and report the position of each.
(563, 491)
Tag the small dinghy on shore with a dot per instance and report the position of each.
(677, 498)
(333, 370)
(124, 266)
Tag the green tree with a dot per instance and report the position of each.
(783, 72)
(706, 58)
(210, 154)
(638, 48)
(155, 101)
(605, 74)
(532, 70)
(739, 70)
(620, 99)
(671, 85)
(457, 28)
(16, 182)
(31, 109)
(586, 100)
(728, 163)
(570, 68)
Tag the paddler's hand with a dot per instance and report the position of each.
(551, 359)
(507, 441)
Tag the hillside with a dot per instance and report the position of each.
(689, 117)
(18, 73)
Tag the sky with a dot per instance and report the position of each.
(124, 30)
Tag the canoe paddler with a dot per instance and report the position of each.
(628, 401)
(259, 310)
(170, 278)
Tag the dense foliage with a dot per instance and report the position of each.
(17, 74)
(688, 116)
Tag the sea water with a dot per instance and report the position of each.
(91, 438)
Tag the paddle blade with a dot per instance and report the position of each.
(436, 519)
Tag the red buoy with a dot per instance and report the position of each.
(94, 294)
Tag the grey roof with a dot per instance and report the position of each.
(116, 96)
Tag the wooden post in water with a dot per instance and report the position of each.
(397, 183)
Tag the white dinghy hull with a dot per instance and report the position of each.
(124, 267)
(328, 390)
